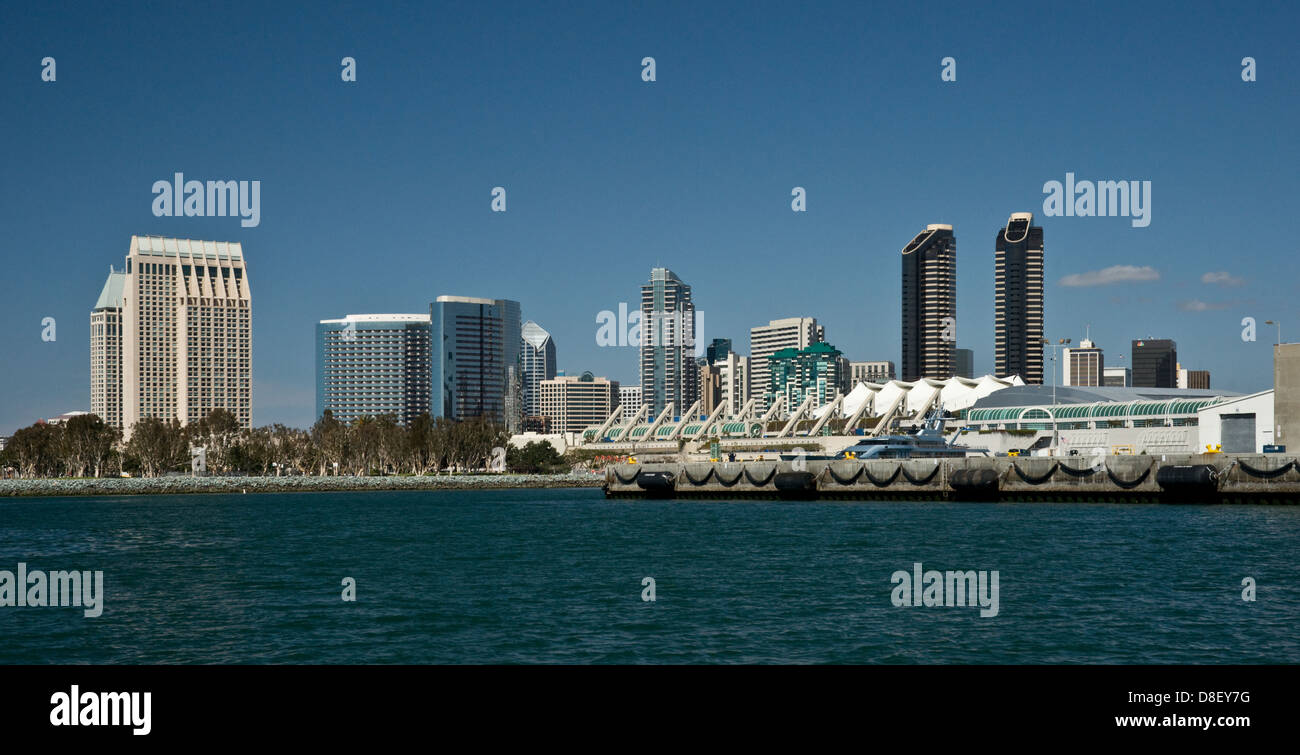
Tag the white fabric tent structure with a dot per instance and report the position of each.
(954, 394)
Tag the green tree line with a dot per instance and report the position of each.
(85, 446)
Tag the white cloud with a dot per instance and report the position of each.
(1222, 278)
(1112, 274)
(1196, 305)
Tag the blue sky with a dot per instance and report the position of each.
(376, 194)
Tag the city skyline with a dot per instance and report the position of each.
(693, 172)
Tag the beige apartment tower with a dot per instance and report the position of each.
(171, 335)
(574, 403)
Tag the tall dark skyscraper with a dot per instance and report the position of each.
(1018, 300)
(930, 304)
(1155, 364)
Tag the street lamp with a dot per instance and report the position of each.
(1060, 344)
(1279, 329)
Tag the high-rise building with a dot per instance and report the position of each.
(574, 403)
(963, 363)
(171, 335)
(798, 373)
(1018, 299)
(1193, 378)
(717, 350)
(538, 358)
(734, 376)
(368, 365)
(106, 350)
(929, 303)
(710, 387)
(765, 340)
(1084, 365)
(669, 372)
(870, 372)
(476, 367)
(1117, 377)
(1155, 363)
(629, 397)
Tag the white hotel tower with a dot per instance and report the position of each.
(171, 335)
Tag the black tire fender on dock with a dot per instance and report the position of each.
(981, 480)
(798, 483)
(1188, 479)
(657, 483)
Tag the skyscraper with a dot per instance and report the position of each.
(929, 303)
(765, 340)
(963, 361)
(538, 357)
(1155, 363)
(368, 365)
(1018, 299)
(734, 375)
(171, 335)
(717, 351)
(668, 370)
(475, 367)
(106, 350)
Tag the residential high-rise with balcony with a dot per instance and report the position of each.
(182, 312)
(476, 370)
(796, 374)
(765, 340)
(929, 304)
(368, 365)
(669, 373)
(1018, 299)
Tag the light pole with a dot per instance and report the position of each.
(1279, 329)
(1060, 344)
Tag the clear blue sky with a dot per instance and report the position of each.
(375, 195)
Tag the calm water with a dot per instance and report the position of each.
(554, 576)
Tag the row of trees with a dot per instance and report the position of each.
(85, 446)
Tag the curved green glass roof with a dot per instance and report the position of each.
(1125, 409)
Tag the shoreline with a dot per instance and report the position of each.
(91, 486)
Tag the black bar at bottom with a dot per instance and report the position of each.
(337, 703)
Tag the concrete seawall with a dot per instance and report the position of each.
(1209, 478)
(87, 486)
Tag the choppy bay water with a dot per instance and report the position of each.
(555, 576)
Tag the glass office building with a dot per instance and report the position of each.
(476, 365)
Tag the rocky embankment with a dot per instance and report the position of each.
(186, 485)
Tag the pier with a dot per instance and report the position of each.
(1204, 478)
